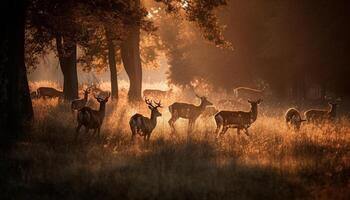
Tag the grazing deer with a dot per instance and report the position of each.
(313, 115)
(293, 118)
(92, 119)
(160, 94)
(78, 104)
(142, 125)
(187, 111)
(49, 92)
(236, 119)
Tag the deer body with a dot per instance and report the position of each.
(91, 119)
(293, 118)
(142, 125)
(187, 111)
(155, 93)
(236, 119)
(48, 92)
(80, 103)
(320, 115)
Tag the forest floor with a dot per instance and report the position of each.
(272, 163)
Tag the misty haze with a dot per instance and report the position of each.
(175, 99)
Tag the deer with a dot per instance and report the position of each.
(246, 93)
(92, 119)
(314, 115)
(142, 125)
(187, 111)
(78, 104)
(49, 92)
(33, 95)
(293, 119)
(156, 93)
(236, 119)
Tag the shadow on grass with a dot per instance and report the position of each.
(161, 170)
(325, 166)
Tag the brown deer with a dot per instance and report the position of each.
(142, 125)
(152, 93)
(92, 119)
(33, 95)
(187, 111)
(78, 104)
(314, 115)
(49, 92)
(293, 119)
(236, 119)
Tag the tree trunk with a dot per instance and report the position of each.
(112, 64)
(67, 55)
(130, 51)
(16, 111)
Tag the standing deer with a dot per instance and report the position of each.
(293, 118)
(187, 111)
(236, 119)
(142, 125)
(49, 92)
(92, 119)
(313, 115)
(78, 104)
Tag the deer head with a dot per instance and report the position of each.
(102, 100)
(255, 103)
(154, 108)
(204, 101)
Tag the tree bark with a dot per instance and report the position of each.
(130, 52)
(112, 64)
(16, 111)
(67, 55)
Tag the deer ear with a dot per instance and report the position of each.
(150, 107)
(249, 101)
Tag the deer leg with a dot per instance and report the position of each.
(98, 132)
(171, 122)
(191, 125)
(246, 131)
(133, 136)
(224, 130)
(218, 128)
(77, 132)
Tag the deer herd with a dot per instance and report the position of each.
(143, 126)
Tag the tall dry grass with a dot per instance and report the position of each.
(273, 163)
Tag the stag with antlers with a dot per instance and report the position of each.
(92, 119)
(142, 125)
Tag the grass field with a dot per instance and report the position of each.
(273, 163)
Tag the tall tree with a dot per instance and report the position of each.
(16, 110)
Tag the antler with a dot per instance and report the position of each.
(109, 94)
(148, 102)
(158, 104)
